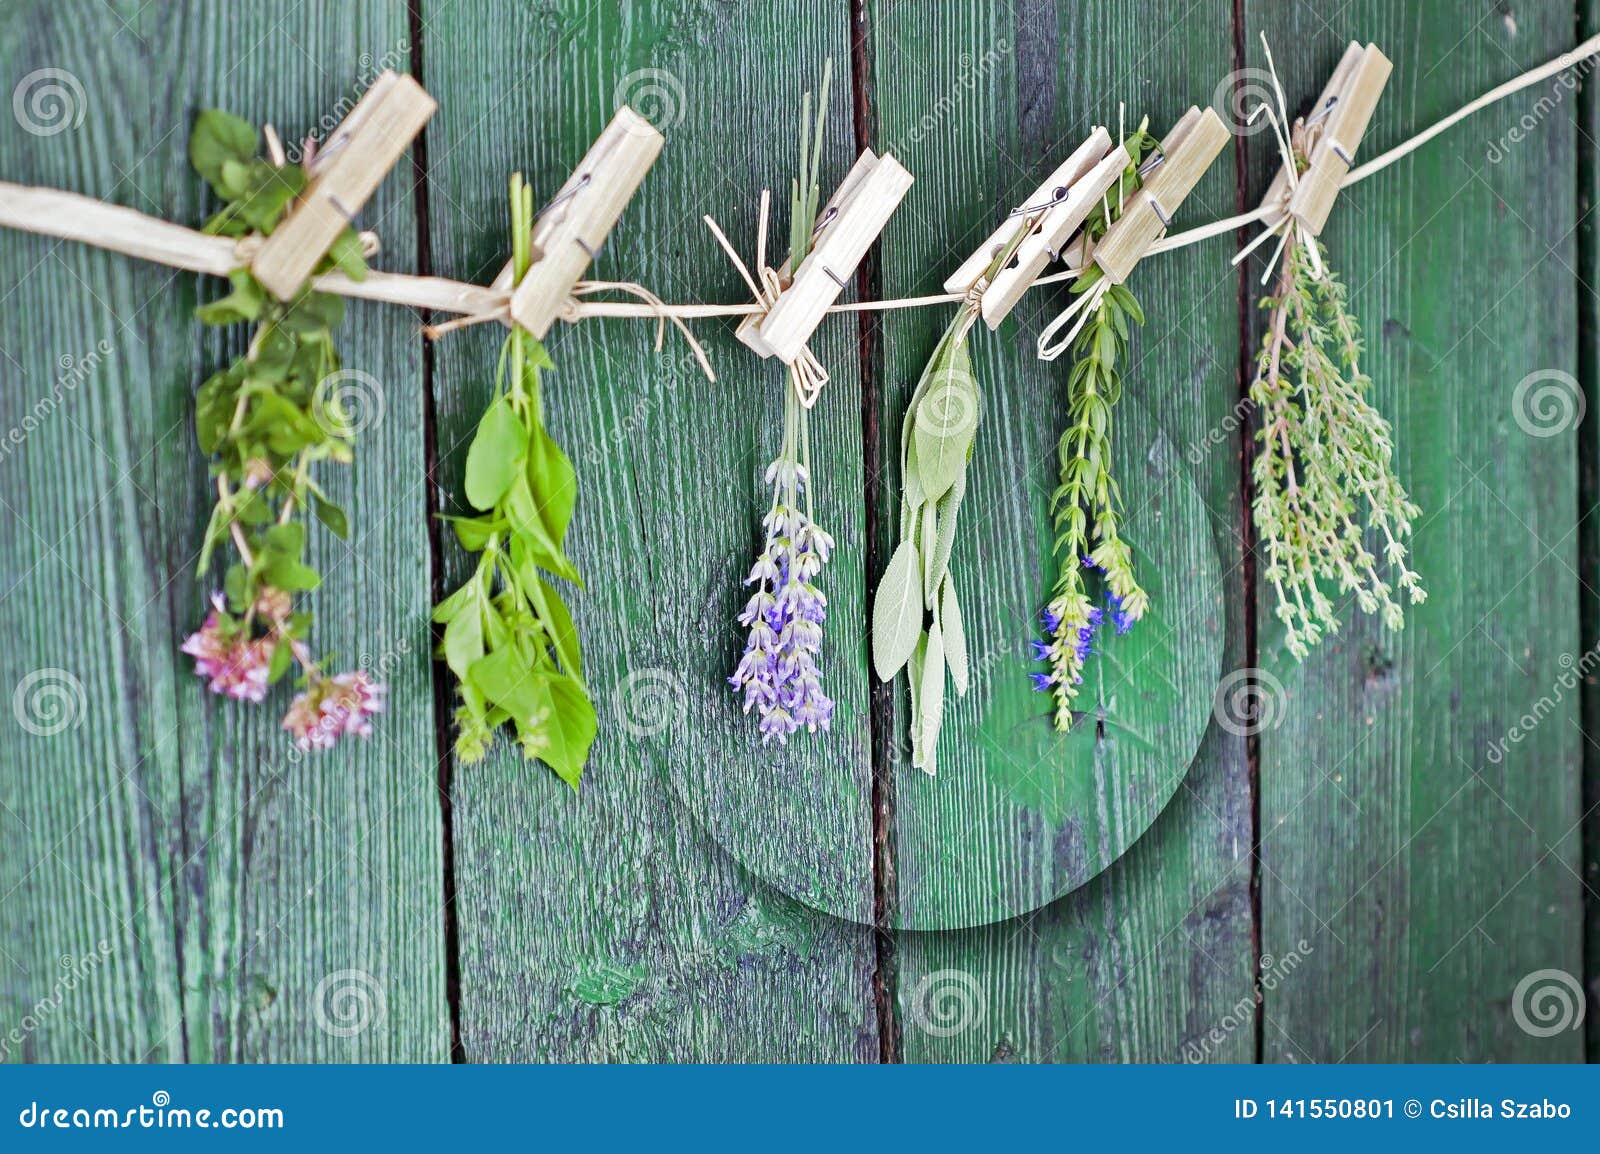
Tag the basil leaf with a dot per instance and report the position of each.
(496, 456)
(333, 517)
(570, 728)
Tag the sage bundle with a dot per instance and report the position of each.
(916, 614)
(509, 637)
(268, 422)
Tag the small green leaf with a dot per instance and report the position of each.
(463, 636)
(496, 456)
(282, 656)
(946, 419)
(534, 536)
(346, 255)
(930, 703)
(570, 729)
(945, 513)
(288, 539)
(332, 516)
(219, 137)
(955, 637)
(554, 483)
(897, 612)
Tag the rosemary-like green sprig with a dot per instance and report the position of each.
(1085, 507)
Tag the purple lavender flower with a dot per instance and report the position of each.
(1119, 616)
(778, 671)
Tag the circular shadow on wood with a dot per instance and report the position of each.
(1018, 814)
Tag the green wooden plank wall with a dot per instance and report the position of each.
(1122, 895)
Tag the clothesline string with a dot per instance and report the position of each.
(1170, 243)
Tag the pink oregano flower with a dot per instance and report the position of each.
(332, 707)
(235, 665)
(239, 666)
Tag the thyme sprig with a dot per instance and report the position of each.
(509, 637)
(1324, 470)
(267, 422)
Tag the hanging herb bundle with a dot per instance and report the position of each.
(508, 635)
(1086, 503)
(916, 615)
(1324, 471)
(267, 422)
(778, 673)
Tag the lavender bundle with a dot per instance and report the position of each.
(778, 674)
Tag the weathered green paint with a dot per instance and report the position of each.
(981, 101)
(627, 875)
(226, 878)
(671, 909)
(1424, 878)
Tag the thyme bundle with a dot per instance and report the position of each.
(1324, 471)
(509, 638)
(267, 421)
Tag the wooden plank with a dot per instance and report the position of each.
(608, 924)
(231, 883)
(1429, 877)
(1156, 951)
(1588, 161)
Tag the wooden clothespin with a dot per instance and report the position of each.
(846, 228)
(1055, 211)
(1186, 152)
(1341, 116)
(344, 174)
(572, 227)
